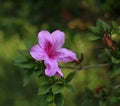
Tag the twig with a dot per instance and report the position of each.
(85, 67)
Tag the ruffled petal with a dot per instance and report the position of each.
(52, 68)
(58, 39)
(37, 53)
(43, 38)
(65, 55)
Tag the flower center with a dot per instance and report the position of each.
(49, 50)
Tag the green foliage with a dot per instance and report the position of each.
(100, 27)
(69, 77)
(59, 99)
(111, 55)
(44, 89)
(57, 88)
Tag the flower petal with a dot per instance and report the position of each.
(52, 68)
(65, 55)
(59, 73)
(37, 53)
(58, 39)
(43, 37)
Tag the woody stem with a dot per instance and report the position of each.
(85, 67)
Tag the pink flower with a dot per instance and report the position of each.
(49, 49)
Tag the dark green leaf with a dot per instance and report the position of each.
(56, 88)
(44, 89)
(115, 71)
(99, 23)
(23, 52)
(70, 77)
(50, 97)
(87, 102)
(28, 45)
(43, 100)
(43, 81)
(81, 57)
(26, 65)
(70, 87)
(106, 27)
(20, 60)
(93, 37)
(27, 77)
(102, 103)
(94, 29)
(113, 99)
(115, 60)
(108, 52)
(59, 99)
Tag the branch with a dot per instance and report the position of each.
(85, 67)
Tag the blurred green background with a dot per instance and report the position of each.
(21, 20)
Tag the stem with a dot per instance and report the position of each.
(85, 67)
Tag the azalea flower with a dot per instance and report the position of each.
(49, 49)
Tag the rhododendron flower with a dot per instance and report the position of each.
(49, 49)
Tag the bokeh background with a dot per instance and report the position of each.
(21, 20)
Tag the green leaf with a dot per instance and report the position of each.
(56, 88)
(59, 99)
(115, 60)
(23, 52)
(27, 77)
(70, 87)
(19, 60)
(102, 103)
(43, 100)
(99, 23)
(113, 99)
(26, 65)
(44, 89)
(50, 97)
(94, 29)
(43, 80)
(28, 45)
(108, 52)
(87, 102)
(81, 57)
(70, 77)
(93, 37)
(115, 71)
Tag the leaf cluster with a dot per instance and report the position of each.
(102, 28)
